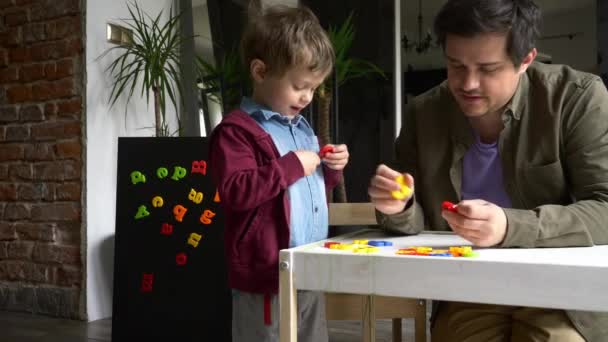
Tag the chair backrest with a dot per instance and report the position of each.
(345, 214)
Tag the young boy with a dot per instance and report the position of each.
(270, 176)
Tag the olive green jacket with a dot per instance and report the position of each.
(554, 153)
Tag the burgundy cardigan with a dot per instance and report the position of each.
(252, 180)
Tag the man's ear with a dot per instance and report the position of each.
(257, 68)
(528, 59)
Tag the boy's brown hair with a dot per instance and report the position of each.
(285, 37)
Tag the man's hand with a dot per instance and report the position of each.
(337, 158)
(310, 160)
(383, 184)
(481, 222)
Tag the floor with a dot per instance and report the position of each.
(20, 327)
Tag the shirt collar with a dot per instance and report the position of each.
(517, 104)
(256, 110)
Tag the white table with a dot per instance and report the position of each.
(563, 278)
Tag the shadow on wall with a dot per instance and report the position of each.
(107, 261)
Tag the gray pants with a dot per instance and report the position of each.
(248, 317)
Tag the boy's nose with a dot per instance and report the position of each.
(306, 98)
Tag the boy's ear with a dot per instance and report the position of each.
(257, 68)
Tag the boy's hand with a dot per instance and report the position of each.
(309, 161)
(481, 222)
(338, 158)
(381, 189)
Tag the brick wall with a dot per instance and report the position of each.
(41, 156)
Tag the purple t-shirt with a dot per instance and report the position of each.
(482, 174)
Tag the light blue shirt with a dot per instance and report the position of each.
(309, 218)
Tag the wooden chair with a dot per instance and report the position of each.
(368, 308)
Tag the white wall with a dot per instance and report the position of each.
(203, 47)
(103, 126)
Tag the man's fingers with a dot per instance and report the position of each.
(461, 220)
(384, 184)
(471, 235)
(476, 209)
(387, 172)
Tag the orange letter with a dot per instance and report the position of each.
(206, 217)
(179, 212)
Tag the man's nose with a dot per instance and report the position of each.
(470, 81)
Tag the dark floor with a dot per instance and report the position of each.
(20, 327)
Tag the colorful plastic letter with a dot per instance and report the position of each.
(194, 239)
(207, 216)
(179, 211)
(380, 243)
(325, 150)
(199, 166)
(137, 177)
(178, 173)
(405, 191)
(181, 258)
(162, 172)
(194, 196)
(157, 202)
(147, 282)
(166, 229)
(449, 206)
(142, 212)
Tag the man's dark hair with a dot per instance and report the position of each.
(519, 19)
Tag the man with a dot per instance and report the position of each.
(520, 147)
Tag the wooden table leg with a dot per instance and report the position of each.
(420, 324)
(288, 326)
(369, 319)
(397, 334)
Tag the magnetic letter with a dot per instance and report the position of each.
(137, 177)
(162, 172)
(142, 212)
(147, 282)
(179, 212)
(194, 239)
(196, 197)
(178, 173)
(199, 167)
(206, 217)
(166, 229)
(181, 259)
(157, 202)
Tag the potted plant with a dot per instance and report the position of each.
(346, 68)
(224, 81)
(151, 61)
